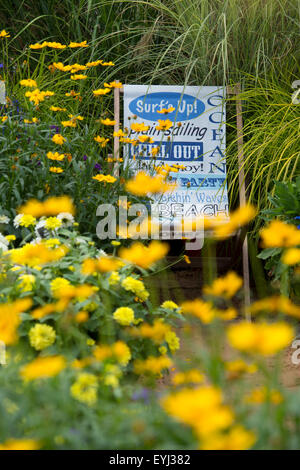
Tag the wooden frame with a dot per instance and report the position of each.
(233, 91)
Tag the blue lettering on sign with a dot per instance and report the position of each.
(186, 106)
(197, 182)
(176, 151)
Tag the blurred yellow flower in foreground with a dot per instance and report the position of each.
(200, 309)
(279, 234)
(43, 367)
(192, 376)
(144, 256)
(237, 438)
(52, 206)
(35, 255)
(200, 408)
(152, 365)
(20, 444)
(238, 367)
(260, 338)
(142, 184)
(10, 319)
(226, 286)
(118, 350)
(262, 394)
(291, 256)
(276, 304)
(225, 228)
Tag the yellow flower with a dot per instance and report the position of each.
(42, 312)
(81, 317)
(145, 139)
(27, 220)
(20, 444)
(37, 96)
(157, 332)
(119, 351)
(43, 367)
(104, 178)
(27, 282)
(58, 286)
(172, 341)
(164, 125)
(154, 151)
(137, 287)
(57, 108)
(52, 223)
(113, 84)
(101, 91)
(56, 45)
(144, 256)
(226, 286)
(28, 83)
(85, 389)
(291, 256)
(108, 122)
(41, 336)
(200, 408)
(69, 123)
(52, 206)
(78, 44)
(260, 338)
(262, 394)
(276, 304)
(101, 140)
(237, 438)
(169, 304)
(10, 238)
(279, 234)
(124, 316)
(114, 278)
(38, 45)
(192, 376)
(78, 77)
(166, 111)
(34, 255)
(73, 94)
(55, 169)
(103, 264)
(10, 319)
(238, 367)
(55, 156)
(4, 34)
(200, 309)
(139, 127)
(223, 228)
(152, 365)
(142, 184)
(58, 139)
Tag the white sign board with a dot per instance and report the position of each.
(196, 142)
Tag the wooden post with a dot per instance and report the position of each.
(242, 191)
